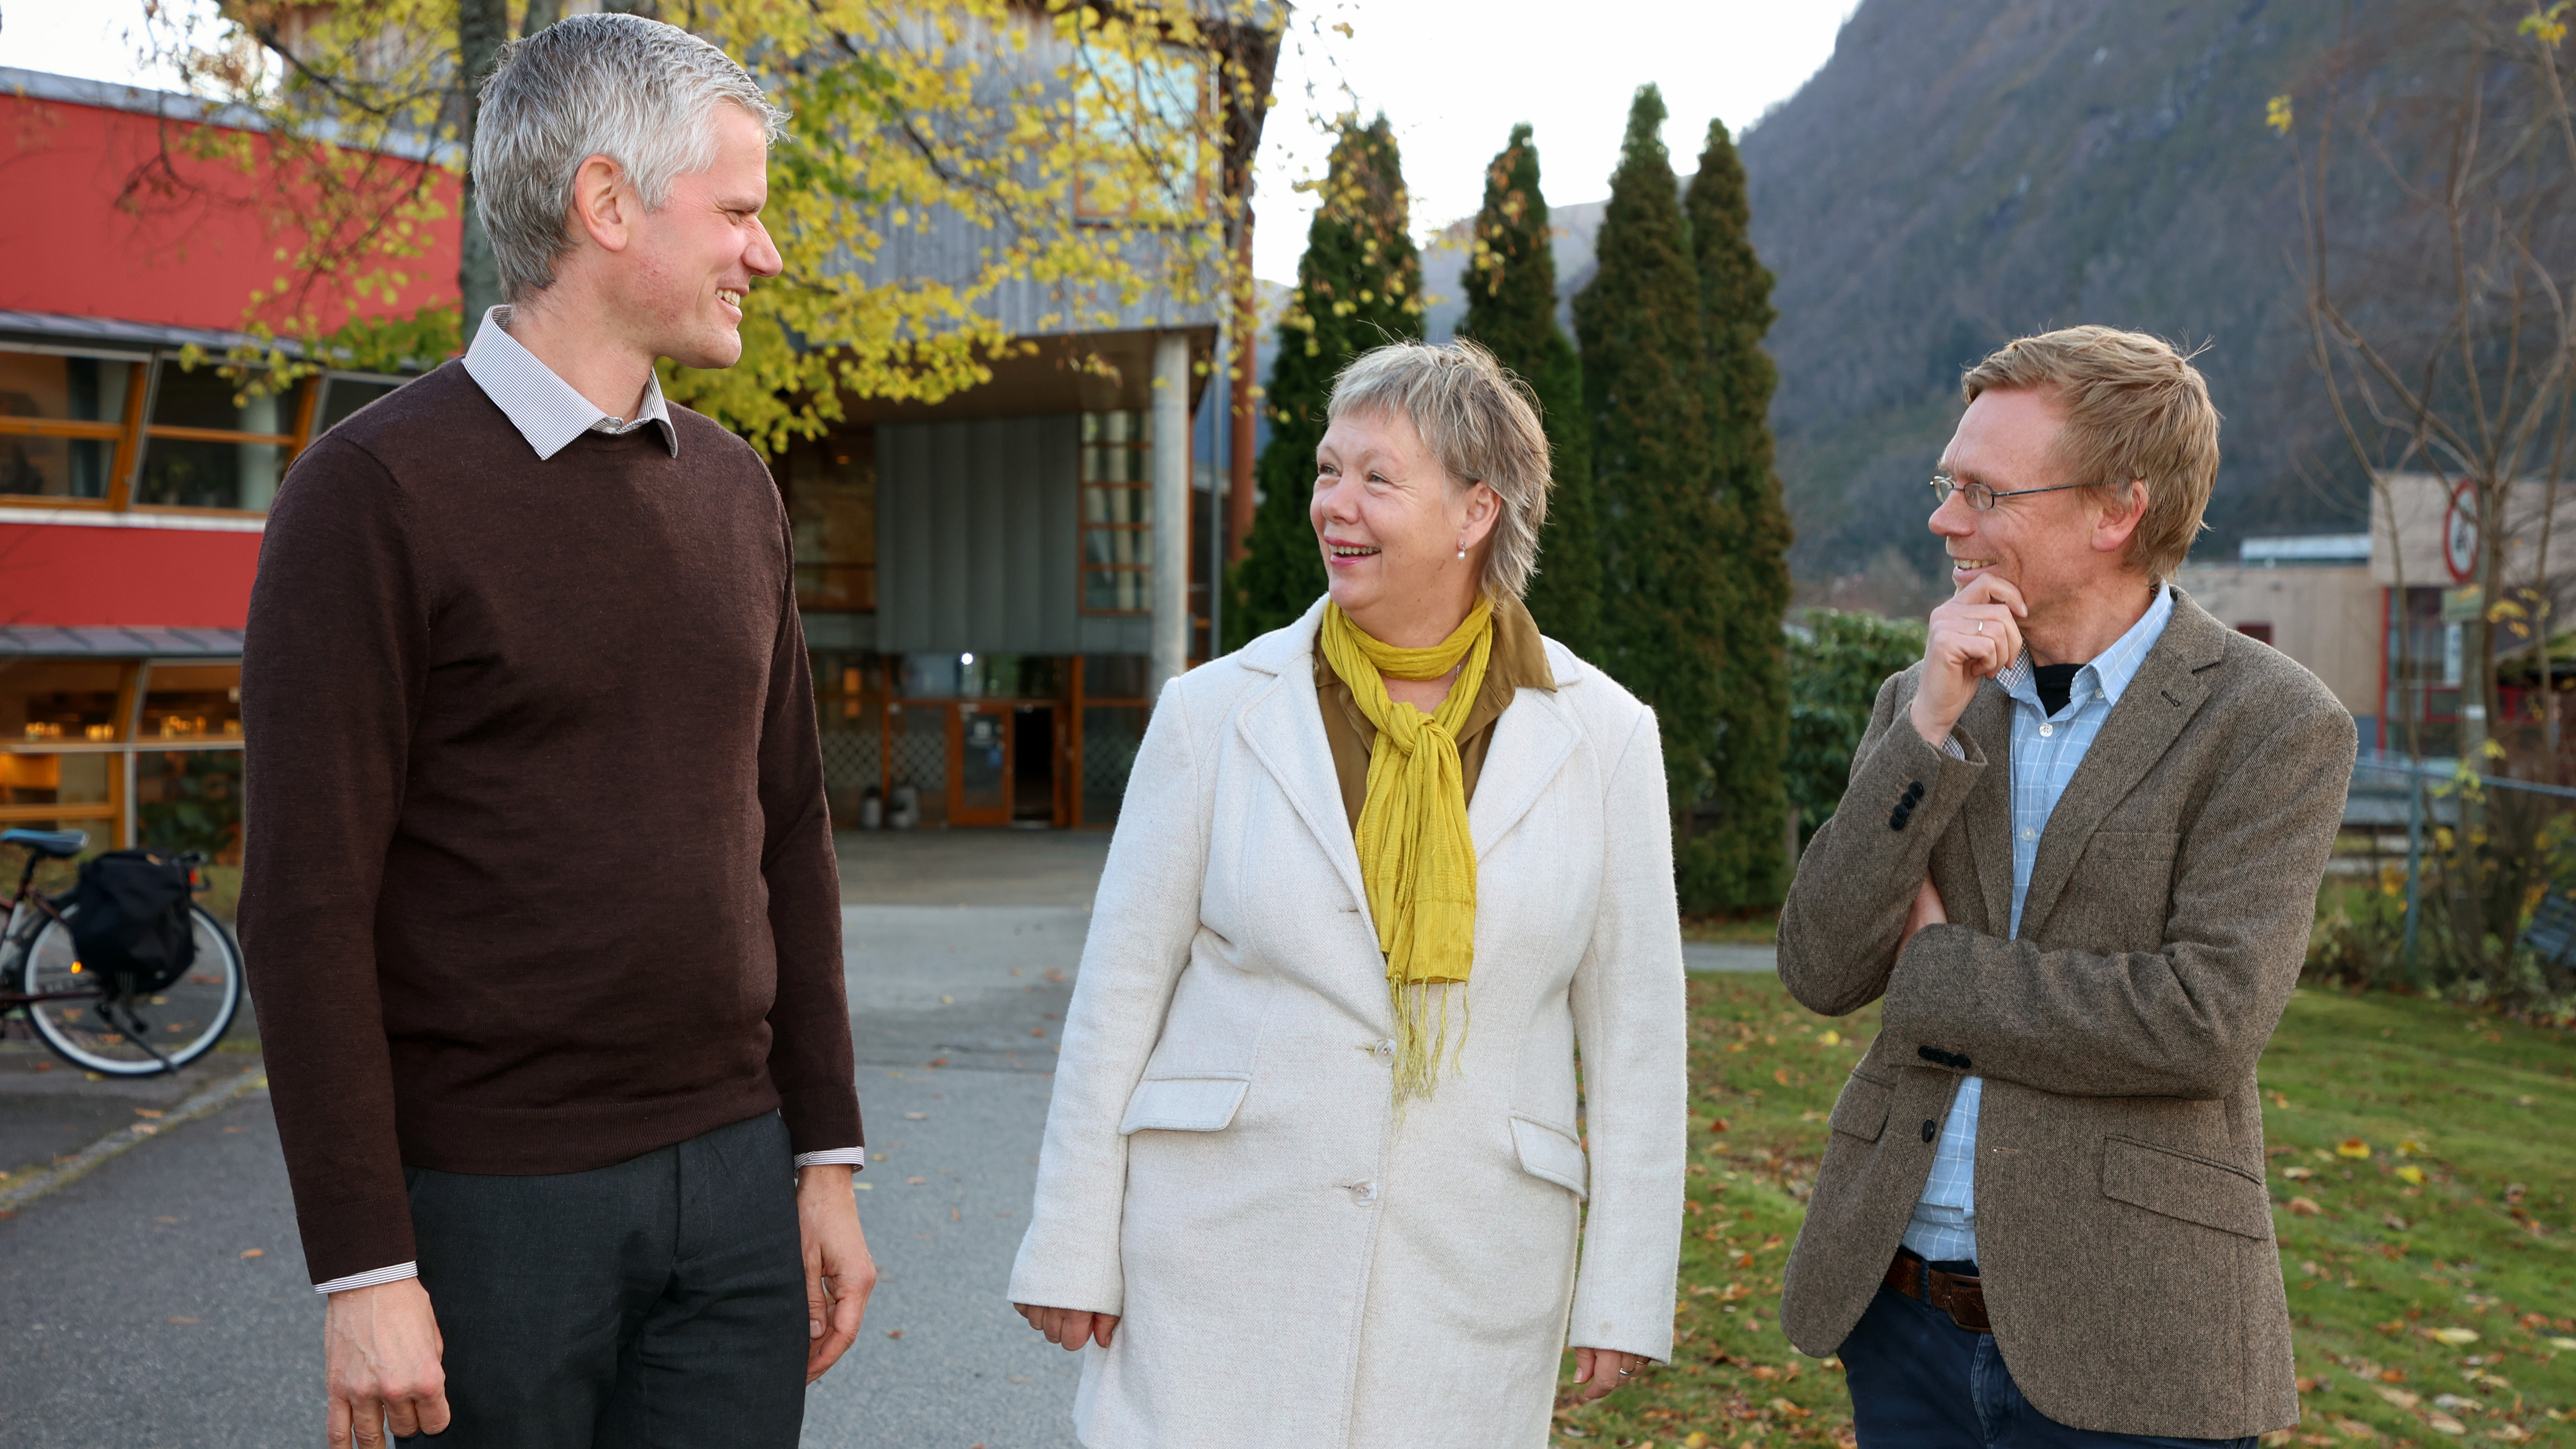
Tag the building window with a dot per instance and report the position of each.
(1117, 514)
(60, 421)
(831, 485)
(211, 443)
(343, 394)
(1147, 152)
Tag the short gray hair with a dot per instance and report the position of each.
(637, 91)
(1480, 420)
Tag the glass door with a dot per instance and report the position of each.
(983, 794)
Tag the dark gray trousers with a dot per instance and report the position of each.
(659, 1302)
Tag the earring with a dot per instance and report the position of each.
(1462, 553)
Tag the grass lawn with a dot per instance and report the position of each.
(2422, 1161)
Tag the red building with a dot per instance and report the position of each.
(133, 488)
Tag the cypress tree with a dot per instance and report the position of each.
(1358, 286)
(1751, 860)
(1663, 598)
(1511, 310)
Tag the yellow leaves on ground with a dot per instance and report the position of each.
(2444, 1424)
(1830, 1038)
(2455, 1337)
(2399, 1397)
(2412, 1175)
(2352, 1147)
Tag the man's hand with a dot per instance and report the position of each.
(380, 1353)
(1975, 636)
(1600, 1370)
(1926, 911)
(839, 1274)
(1069, 1328)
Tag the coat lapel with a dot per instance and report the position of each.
(1531, 742)
(2150, 716)
(1987, 814)
(1284, 729)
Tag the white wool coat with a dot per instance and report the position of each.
(1296, 1263)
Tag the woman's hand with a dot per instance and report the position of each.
(1599, 1370)
(1069, 1328)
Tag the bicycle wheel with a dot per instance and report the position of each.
(184, 1021)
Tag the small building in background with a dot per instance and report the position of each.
(2379, 616)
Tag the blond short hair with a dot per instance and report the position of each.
(1480, 420)
(2136, 410)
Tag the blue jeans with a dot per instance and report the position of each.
(1920, 1381)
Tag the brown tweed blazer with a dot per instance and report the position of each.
(2124, 1233)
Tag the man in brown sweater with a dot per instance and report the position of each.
(540, 901)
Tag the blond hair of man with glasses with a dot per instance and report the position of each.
(2076, 865)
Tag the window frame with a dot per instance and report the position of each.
(1141, 446)
(121, 462)
(135, 432)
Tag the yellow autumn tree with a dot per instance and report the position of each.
(1076, 149)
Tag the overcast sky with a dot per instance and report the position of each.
(1453, 78)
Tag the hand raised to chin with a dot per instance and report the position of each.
(1975, 636)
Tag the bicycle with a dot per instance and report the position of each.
(81, 1014)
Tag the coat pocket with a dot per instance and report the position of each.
(2177, 1185)
(1550, 1154)
(1184, 1104)
(1862, 1108)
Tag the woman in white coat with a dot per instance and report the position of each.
(1314, 1171)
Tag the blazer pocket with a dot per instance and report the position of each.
(2150, 846)
(1184, 1104)
(1550, 1154)
(1861, 1110)
(2193, 1189)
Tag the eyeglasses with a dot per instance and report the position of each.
(1981, 497)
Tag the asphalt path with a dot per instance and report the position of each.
(162, 1300)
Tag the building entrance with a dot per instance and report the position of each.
(984, 762)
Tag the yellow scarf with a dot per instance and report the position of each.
(1416, 856)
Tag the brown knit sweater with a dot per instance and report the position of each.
(539, 876)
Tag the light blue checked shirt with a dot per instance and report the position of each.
(2044, 752)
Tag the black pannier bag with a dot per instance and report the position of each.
(129, 920)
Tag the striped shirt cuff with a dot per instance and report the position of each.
(1950, 746)
(394, 1274)
(854, 1158)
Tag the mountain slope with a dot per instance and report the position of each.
(1964, 171)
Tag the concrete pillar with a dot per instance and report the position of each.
(1171, 507)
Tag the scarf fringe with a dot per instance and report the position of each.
(1424, 1049)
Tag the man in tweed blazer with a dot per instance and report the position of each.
(2076, 864)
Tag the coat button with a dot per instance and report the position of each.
(1931, 1129)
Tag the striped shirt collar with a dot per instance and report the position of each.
(2112, 669)
(542, 406)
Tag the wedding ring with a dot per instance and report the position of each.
(1981, 626)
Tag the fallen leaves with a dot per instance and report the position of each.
(146, 1112)
(2355, 1429)
(2444, 1424)
(254, 1252)
(2411, 1175)
(178, 1320)
(915, 1181)
(2352, 1147)
(2455, 1337)
(2298, 1174)
(2399, 1397)
(1830, 1038)
(2305, 1207)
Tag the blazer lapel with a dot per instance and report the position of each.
(1284, 729)
(1987, 813)
(2150, 716)
(1531, 742)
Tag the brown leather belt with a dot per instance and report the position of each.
(1960, 1296)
